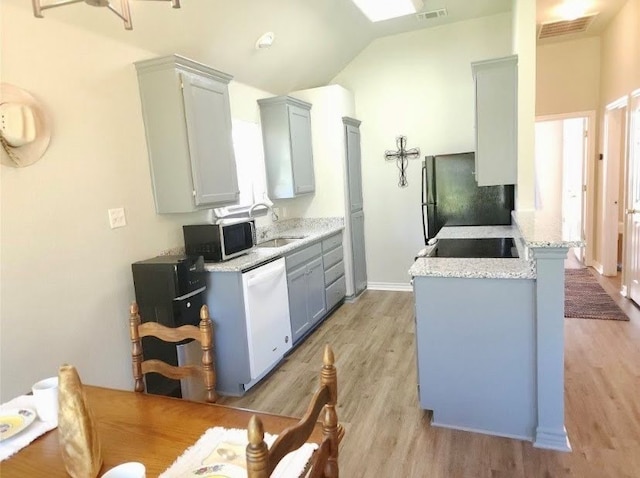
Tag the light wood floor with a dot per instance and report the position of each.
(387, 435)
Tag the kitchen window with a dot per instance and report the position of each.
(252, 179)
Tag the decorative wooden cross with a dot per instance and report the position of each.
(402, 157)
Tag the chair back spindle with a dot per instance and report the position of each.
(203, 334)
(261, 460)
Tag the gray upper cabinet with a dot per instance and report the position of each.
(187, 118)
(286, 133)
(496, 94)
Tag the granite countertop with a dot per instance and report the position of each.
(533, 229)
(543, 229)
(517, 268)
(309, 230)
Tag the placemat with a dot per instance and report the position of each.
(14, 444)
(221, 452)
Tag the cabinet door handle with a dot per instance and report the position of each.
(633, 211)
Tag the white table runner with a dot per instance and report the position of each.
(223, 449)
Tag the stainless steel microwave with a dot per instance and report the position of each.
(221, 241)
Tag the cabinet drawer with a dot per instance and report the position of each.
(332, 257)
(331, 274)
(303, 255)
(336, 292)
(331, 242)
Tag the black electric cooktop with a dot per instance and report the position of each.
(498, 247)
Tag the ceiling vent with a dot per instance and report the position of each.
(565, 27)
(422, 16)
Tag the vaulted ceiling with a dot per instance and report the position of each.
(315, 39)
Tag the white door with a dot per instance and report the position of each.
(614, 138)
(266, 302)
(573, 181)
(633, 210)
(563, 158)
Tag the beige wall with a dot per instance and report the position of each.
(419, 85)
(619, 76)
(65, 275)
(524, 45)
(568, 81)
(620, 54)
(329, 105)
(568, 77)
(548, 164)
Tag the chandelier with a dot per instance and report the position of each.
(123, 12)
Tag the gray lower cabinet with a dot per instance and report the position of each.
(187, 119)
(225, 299)
(333, 264)
(305, 280)
(286, 134)
(493, 333)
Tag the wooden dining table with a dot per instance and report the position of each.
(132, 426)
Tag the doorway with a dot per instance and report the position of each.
(612, 203)
(632, 244)
(565, 172)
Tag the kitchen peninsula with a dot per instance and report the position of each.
(489, 333)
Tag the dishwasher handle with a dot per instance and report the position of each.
(264, 276)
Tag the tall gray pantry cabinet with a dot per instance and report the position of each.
(355, 212)
(187, 118)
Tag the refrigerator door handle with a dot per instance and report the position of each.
(424, 201)
(424, 181)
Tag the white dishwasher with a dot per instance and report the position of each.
(266, 305)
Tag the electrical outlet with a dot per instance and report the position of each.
(117, 218)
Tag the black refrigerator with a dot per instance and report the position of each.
(451, 196)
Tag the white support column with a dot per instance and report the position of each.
(550, 431)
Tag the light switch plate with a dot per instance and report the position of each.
(117, 218)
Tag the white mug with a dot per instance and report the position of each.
(45, 393)
(132, 469)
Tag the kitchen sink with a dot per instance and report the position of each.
(279, 242)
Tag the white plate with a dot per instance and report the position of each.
(14, 420)
(219, 470)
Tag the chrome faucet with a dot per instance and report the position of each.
(274, 216)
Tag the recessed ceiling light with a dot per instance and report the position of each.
(378, 10)
(573, 9)
(266, 40)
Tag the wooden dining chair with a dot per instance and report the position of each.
(203, 334)
(261, 460)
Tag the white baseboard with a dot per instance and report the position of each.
(598, 267)
(395, 286)
(481, 430)
(552, 439)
